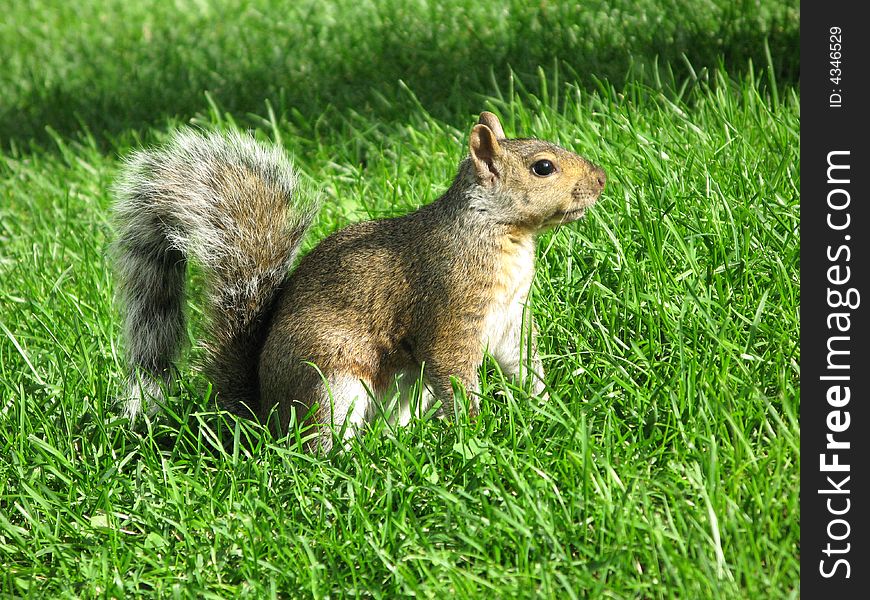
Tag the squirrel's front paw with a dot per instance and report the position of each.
(540, 390)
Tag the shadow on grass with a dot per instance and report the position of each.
(134, 85)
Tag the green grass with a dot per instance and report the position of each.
(666, 463)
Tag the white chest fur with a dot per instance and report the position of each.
(503, 326)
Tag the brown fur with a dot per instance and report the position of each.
(382, 297)
(376, 301)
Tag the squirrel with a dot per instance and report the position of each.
(365, 312)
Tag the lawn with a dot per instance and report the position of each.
(666, 462)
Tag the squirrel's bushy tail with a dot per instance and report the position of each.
(227, 202)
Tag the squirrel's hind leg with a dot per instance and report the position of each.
(345, 406)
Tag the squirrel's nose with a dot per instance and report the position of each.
(600, 177)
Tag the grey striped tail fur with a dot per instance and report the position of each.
(227, 202)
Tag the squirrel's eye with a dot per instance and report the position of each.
(542, 168)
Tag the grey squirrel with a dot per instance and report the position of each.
(367, 310)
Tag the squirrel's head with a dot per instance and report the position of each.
(527, 182)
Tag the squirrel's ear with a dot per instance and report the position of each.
(491, 121)
(485, 152)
